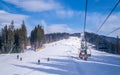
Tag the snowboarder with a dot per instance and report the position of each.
(17, 56)
(20, 58)
(38, 61)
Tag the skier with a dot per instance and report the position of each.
(48, 59)
(38, 61)
(17, 56)
(20, 58)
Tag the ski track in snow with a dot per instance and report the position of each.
(63, 61)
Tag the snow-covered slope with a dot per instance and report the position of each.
(63, 61)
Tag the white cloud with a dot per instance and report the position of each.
(67, 13)
(112, 23)
(53, 28)
(52, 6)
(96, 19)
(44, 5)
(64, 13)
(6, 18)
(59, 28)
(36, 5)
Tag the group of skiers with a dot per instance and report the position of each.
(20, 58)
(48, 59)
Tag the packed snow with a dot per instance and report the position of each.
(60, 58)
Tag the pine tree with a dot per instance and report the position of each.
(21, 38)
(24, 34)
(10, 40)
(13, 40)
(17, 49)
(4, 39)
(7, 40)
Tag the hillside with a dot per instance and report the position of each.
(63, 60)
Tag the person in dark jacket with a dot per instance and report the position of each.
(38, 61)
(17, 56)
(20, 58)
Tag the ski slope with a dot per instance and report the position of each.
(63, 61)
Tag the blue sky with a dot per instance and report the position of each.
(60, 15)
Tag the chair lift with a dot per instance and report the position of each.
(84, 50)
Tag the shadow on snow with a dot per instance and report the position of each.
(55, 66)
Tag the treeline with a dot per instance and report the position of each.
(76, 34)
(55, 37)
(36, 37)
(13, 40)
(107, 44)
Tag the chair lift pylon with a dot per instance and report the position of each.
(83, 50)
